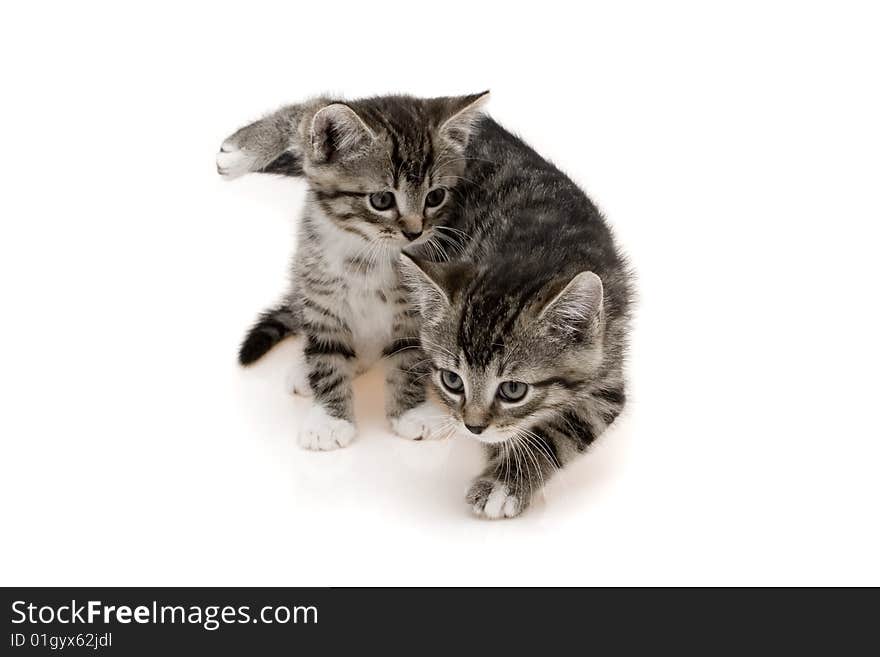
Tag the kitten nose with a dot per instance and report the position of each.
(411, 236)
(475, 428)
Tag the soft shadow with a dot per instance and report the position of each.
(424, 480)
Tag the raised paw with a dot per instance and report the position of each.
(493, 499)
(418, 423)
(234, 161)
(321, 431)
(297, 380)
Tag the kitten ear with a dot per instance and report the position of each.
(434, 283)
(577, 306)
(337, 131)
(461, 114)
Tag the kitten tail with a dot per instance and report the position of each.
(271, 327)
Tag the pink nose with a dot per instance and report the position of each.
(411, 225)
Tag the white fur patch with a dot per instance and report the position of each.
(499, 504)
(369, 320)
(297, 380)
(321, 431)
(419, 423)
(233, 162)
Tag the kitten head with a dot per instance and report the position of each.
(508, 348)
(383, 167)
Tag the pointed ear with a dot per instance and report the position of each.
(434, 283)
(337, 131)
(577, 306)
(460, 117)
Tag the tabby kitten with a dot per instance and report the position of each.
(379, 172)
(527, 331)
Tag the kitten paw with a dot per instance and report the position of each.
(492, 499)
(233, 161)
(297, 380)
(321, 431)
(418, 423)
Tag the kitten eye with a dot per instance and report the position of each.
(382, 201)
(512, 391)
(435, 197)
(452, 381)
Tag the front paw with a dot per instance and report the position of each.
(418, 423)
(233, 160)
(490, 498)
(321, 431)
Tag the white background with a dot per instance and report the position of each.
(735, 151)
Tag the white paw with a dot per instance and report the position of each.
(419, 423)
(233, 162)
(321, 431)
(493, 500)
(297, 380)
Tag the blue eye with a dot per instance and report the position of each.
(512, 391)
(382, 201)
(451, 381)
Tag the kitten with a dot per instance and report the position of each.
(379, 172)
(527, 327)
(527, 330)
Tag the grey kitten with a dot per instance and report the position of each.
(526, 327)
(380, 172)
(527, 330)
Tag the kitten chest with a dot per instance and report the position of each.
(370, 315)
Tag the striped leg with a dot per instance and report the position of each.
(410, 414)
(517, 469)
(520, 467)
(406, 406)
(330, 363)
(330, 422)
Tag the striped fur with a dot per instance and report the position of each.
(539, 294)
(518, 279)
(272, 326)
(346, 297)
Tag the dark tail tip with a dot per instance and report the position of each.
(255, 346)
(271, 328)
